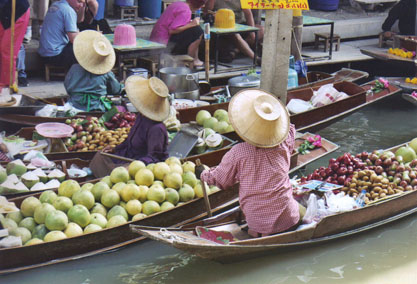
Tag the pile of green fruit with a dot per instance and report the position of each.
(219, 122)
(128, 194)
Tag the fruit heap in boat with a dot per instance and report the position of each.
(90, 135)
(18, 177)
(380, 174)
(128, 194)
(219, 122)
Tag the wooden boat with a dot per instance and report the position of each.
(22, 258)
(333, 227)
(317, 118)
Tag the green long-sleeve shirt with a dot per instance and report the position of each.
(79, 83)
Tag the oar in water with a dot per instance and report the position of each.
(204, 187)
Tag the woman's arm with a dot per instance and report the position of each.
(194, 22)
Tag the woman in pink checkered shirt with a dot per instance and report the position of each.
(260, 164)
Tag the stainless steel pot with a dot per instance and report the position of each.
(239, 83)
(190, 95)
(179, 79)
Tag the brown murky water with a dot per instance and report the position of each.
(386, 255)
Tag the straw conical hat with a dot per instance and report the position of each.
(94, 52)
(149, 96)
(259, 118)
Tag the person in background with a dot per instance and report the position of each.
(260, 164)
(88, 82)
(85, 16)
(21, 57)
(58, 33)
(148, 138)
(176, 29)
(405, 13)
(21, 22)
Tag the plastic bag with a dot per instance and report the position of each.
(340, 202)
(301, 68)
(325, 95)
(312, 208)
(297, 106)
(47, 111)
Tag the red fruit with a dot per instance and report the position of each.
(403, 183)
(341, 171)
(341, 179)
(332, 161)
(379, 170)
(79, 128)
(378, 162)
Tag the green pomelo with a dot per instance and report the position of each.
(87, 186)
(173, 160)
(15, 216)
(171, 195)
(134, 167)
(188, 166)
(110, 198)
(138, 217)
(28, 223)
(123, 204)
(209, 123)
(186, 193)
(117, 210)
(84, 197)
(79, 214)
(202, 116)
(221, 115)
(91, 228)
(40, 231)
(68, 188)
(175, 168)
(98, 219)
(158, 182)
(160, 170)
(56, 221)
(21, 232)
(99, 208)
(149, 167)
(48, 196)
(115, 221)
(54, 236)
(34, 241)
(213, 189)
(198, 190)
(144, 177)
(131, 181)
(133, 207)
(221, 127)
(189, 178)
(3, 176)
(229, 128)
(180, 203)
(156, 193)
(143, 192)
(150, 207)
(130, 192)
(118, 187)
(29, 205)
(119, 174)
(73, 230)
(98, 190)
(167, 205)
(407, 153)
(63, 203)
(8, 223)
(107, 181)
(173, 180)
(16, 167)
(41, 212)
(413, 144)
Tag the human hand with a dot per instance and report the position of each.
(196, 21)
(107, 149)
(3, 148)
(387, 34)
(198, 170)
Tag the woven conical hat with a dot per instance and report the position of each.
(259, 118)
(94, 52)
(149, 96)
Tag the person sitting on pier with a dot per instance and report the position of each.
(260, 164)
(176, 29)
(148, 138)
(59, 30)
(405, 12)
(88, 82)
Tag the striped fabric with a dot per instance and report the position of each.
(3, 157)
(265, 193)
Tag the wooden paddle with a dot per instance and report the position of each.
(207, 50)
(116, 157)
(204, 186)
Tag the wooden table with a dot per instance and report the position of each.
(143, 48)
(217, 33)
(309, 21)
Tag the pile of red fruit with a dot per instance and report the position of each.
(121, 120)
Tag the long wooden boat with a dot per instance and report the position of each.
(315, 119)
(333, 227)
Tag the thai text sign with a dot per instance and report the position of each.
(275, 4)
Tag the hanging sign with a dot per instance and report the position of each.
(274, 4)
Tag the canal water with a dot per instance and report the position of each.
(384, 255)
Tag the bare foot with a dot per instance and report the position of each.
(198, 62)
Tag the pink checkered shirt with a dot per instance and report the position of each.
(265, 193)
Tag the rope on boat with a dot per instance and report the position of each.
(170, 236)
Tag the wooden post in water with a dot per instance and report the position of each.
(276, 52)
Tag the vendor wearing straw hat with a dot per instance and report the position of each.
(148, 138)
(260, 164)
(88, 82)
